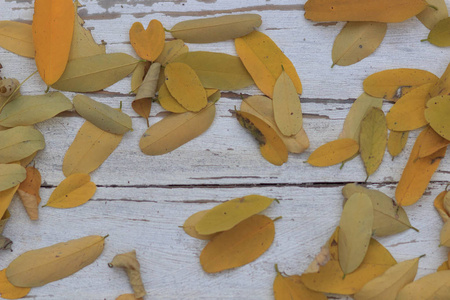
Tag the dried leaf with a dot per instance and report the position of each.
(440, 34)
(292, 287)
(148, 43)
(128, 297)
(17, 37)
(101, 115)
(93, 73)
(11, 175)
(19, 142)
(373, 139)
(330, 278)
(356, 41)
(6, 197)
(445, 235)
(3, 220)
(444, 266)
(41, 266)
(148, 87)
(90, 148)
(52, 27)
(9, 291)
(417, 173)
(442, 85)
(408, 112)
(270, 144)
(355, 231)
(396, 142)
(387, 84)
(27, 160)
(436, 11)
(434, 286)
(171, 51)
(5, 244)
(168, 102)
(217, 70)
(432, 142)
(439, 206)
(286, 106)
(191, 222)
(436, 113)
(29, 192)
(138, 75)
(446, 203)
(262, 107)
(230, 213)
(387, 285)
(129, 262)
(29, 110)
(7, 87)
(238, 246)
(210, 30)
(333, 152)
(176, 130)
(73, 191)
(369, 10)
(264, 60)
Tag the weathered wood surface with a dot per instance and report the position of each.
(142, 200)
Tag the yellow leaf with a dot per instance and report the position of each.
(359, 109)
(417, 173)
(238, 246)
(432, 142)
(19, 142)
(171, 50)
(436, 113)
(270, 144)
(90, 148)
(129, 262)
(264, 60)
(333, 152)
(387, 285)
(436, 11)
(408, 112)
(148, 43)
(189, 226)
(6, 197)
(168, 102)
(17, 37)
(443, 267)
(228, 214)
(439, 206)
(52, 27)
(128, 297)
(176, 130)
(73, 191)
(388, 11)
(41, 266)
(372, 139)
(262, 107)
(442, 85)
(386, 84)
(356, 41)
(286, 106)
(440, 34)
(446, 203)
(9, 291)
(330, 278)
(185, 86)
(11, 175)
(396, 142)
(29, 192)
(355, 231)
(210, 30)
(292, 287)
(434, 286)
(445, 234)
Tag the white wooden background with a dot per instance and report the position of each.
(141, 200)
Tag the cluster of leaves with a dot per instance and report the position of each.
(367, 23)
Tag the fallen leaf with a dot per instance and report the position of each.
(93, 73)
(369, 10)
(238, 246)
(52, 27)
(10, 176)
(355, 231)
(333, 152)
(9, 291)
(446, 203)
(41, 266)
(432, 142)
(138, 75)
(444, 266)
(17, 37)
(292, 287)
(436, 11)
(29, 110)
(230, 213)
(433, 286)
(442, 85)
(171, 51)
(210, 30)
(356, 41)
(217, 70)
(168, 102)
(445, 235)
(436, 113)
(19, 142)
(176, 130)
(320, 260)
(387, 285)
(270, 144)
(8, 86)
(142, 104)
(27, 160)
(6, 197)
(128, 297)
(394, 83)
(129, 262)
(417, 173)
(440, 34)
(264, 60)
(408, 112)
(439, 206)
(29, 192)
(396, 142)
(189, 226)
(148, 43)
(101, 115)
(73, 191)
(5, 244)
(3, 220)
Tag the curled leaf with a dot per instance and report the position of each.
(5, 244)
(333, 152)
(73, 191)
(17, 37)
(8, 86)
(138, 75)
(129, 262)
(29, 192)
(142, 104)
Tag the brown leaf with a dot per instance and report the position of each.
(129, 262)
(29, 192)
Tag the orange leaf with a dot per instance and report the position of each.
(9, 291)
(432, 143)
(417, 173)
(292, 287)
(333, 152)
(442, 86)
(148, 43)
(439, 205)
(53, 22)
(29, 192)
